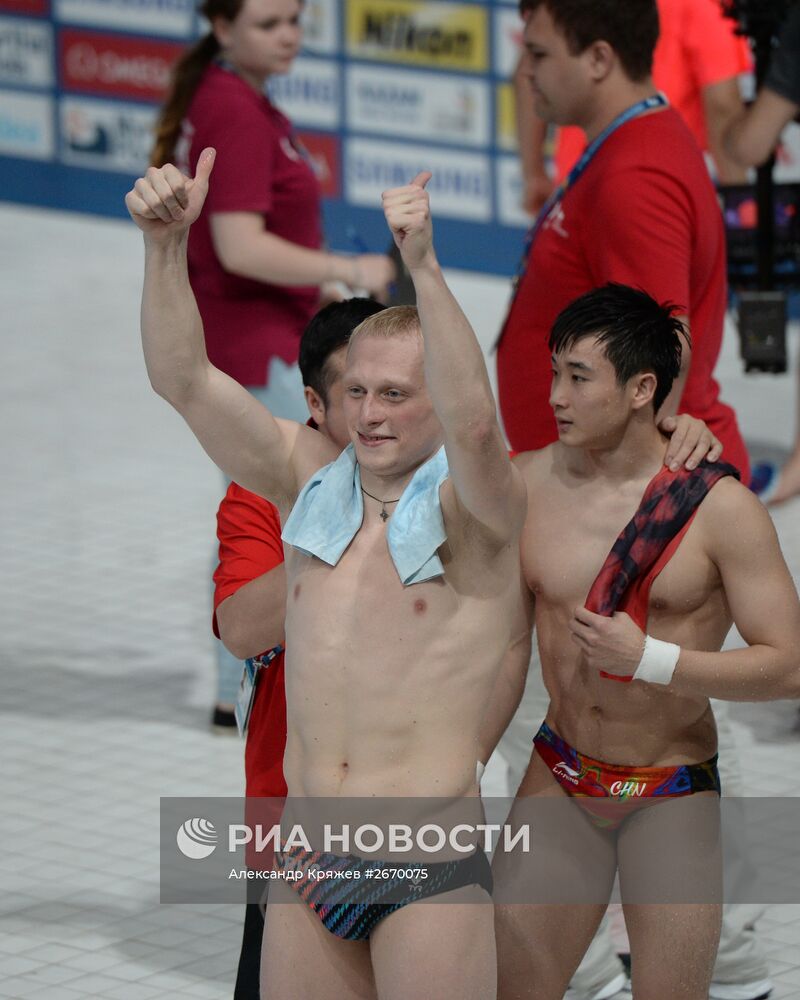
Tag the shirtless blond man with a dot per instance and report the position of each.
(386, 683)
(606, 747)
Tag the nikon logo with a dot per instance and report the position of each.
(399, 33)
(444, 35)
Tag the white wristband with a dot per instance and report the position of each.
(658, 661)
(479, 769)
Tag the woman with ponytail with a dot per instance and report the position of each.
(255, 259)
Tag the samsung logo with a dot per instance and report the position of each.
(394, 174)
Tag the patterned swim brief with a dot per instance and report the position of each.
(586, 778)
(351, 895)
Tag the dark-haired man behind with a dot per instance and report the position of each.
(250, 586)
(633, 764)
(643, 212)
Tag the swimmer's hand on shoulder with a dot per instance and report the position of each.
(408, 215)
(164, 203)
(690, 442)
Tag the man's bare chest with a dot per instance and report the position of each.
(565, 546)
(363, 594)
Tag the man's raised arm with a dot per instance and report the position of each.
(269, 456)
(485, 482)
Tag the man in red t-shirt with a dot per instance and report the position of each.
(696, 63)
(643, 213)
(250, 585)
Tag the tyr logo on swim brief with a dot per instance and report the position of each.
(567, 772)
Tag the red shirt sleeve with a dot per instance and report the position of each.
(249, 533)
(630, 206)
(715, 52)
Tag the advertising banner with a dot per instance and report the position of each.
(109, 135)
(442, 35)
(25, 6)
(417, 105)
(311, 93)
(152, 17)
(116, 65)
(26, 52)
(380, 90)
(460, 188)
(26, 125)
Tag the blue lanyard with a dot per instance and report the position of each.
(264, 659)
(640, 108)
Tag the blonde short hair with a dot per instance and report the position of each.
(396, 321)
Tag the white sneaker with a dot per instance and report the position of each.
(618, 989)
(757, 990)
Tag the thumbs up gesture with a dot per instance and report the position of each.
(408, 214)
(164, 203)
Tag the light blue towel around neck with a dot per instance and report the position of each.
(330, 508)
